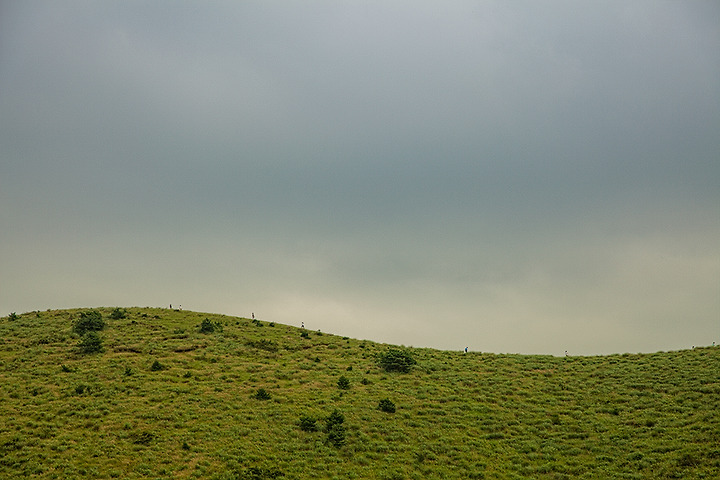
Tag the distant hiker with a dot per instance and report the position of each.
(253, 315)
(566, 353)
(465, 349)
(302, 324)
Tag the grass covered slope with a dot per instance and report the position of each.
(177, 394)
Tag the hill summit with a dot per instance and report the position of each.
(159, 393)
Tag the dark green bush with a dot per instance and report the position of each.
(308, 424)
(13, 316)
(336, 431)
(262, 394)
(304, 335)
(143, 438)
(90, 321)
(386, 405)
(337, 435)
(264, 344)
(156, 366)
(91, 343)
(207, 326)
(80, 389)
(396, 360)
(343, 383)
(333, 419)
(118, 313)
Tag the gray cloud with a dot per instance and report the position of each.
(518, 177)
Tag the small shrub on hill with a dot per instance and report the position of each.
(264, 344)
(396, 360)
(343, 383)
(156, 366)
(81, 388)
(335, 429)
(91, 343)
(208, 326)
(13, 316)
(262, 394)
(337, 435)
(118, 313)
(308, 424)
(335, 418)
(90, 321)
(386, 405)
(143, 438)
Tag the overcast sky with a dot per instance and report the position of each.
(523, 177)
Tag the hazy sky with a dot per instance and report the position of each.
(510, 176)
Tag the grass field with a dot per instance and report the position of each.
(164, 400)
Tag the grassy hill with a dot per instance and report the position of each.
(164, 400)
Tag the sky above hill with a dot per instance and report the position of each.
(524, 177)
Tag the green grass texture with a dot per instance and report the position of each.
(177, 394)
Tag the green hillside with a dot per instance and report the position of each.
(251, 399)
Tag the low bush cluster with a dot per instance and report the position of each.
(82, 388)
(386, 405)
(208, 326)
(396, 360)
(156, 366)
(335, 429)
(262, 394)
(91, 342)
(118, 313)
(90, 321)
(308, 423)
(267, 345)
(143, 438)
(343, 383)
